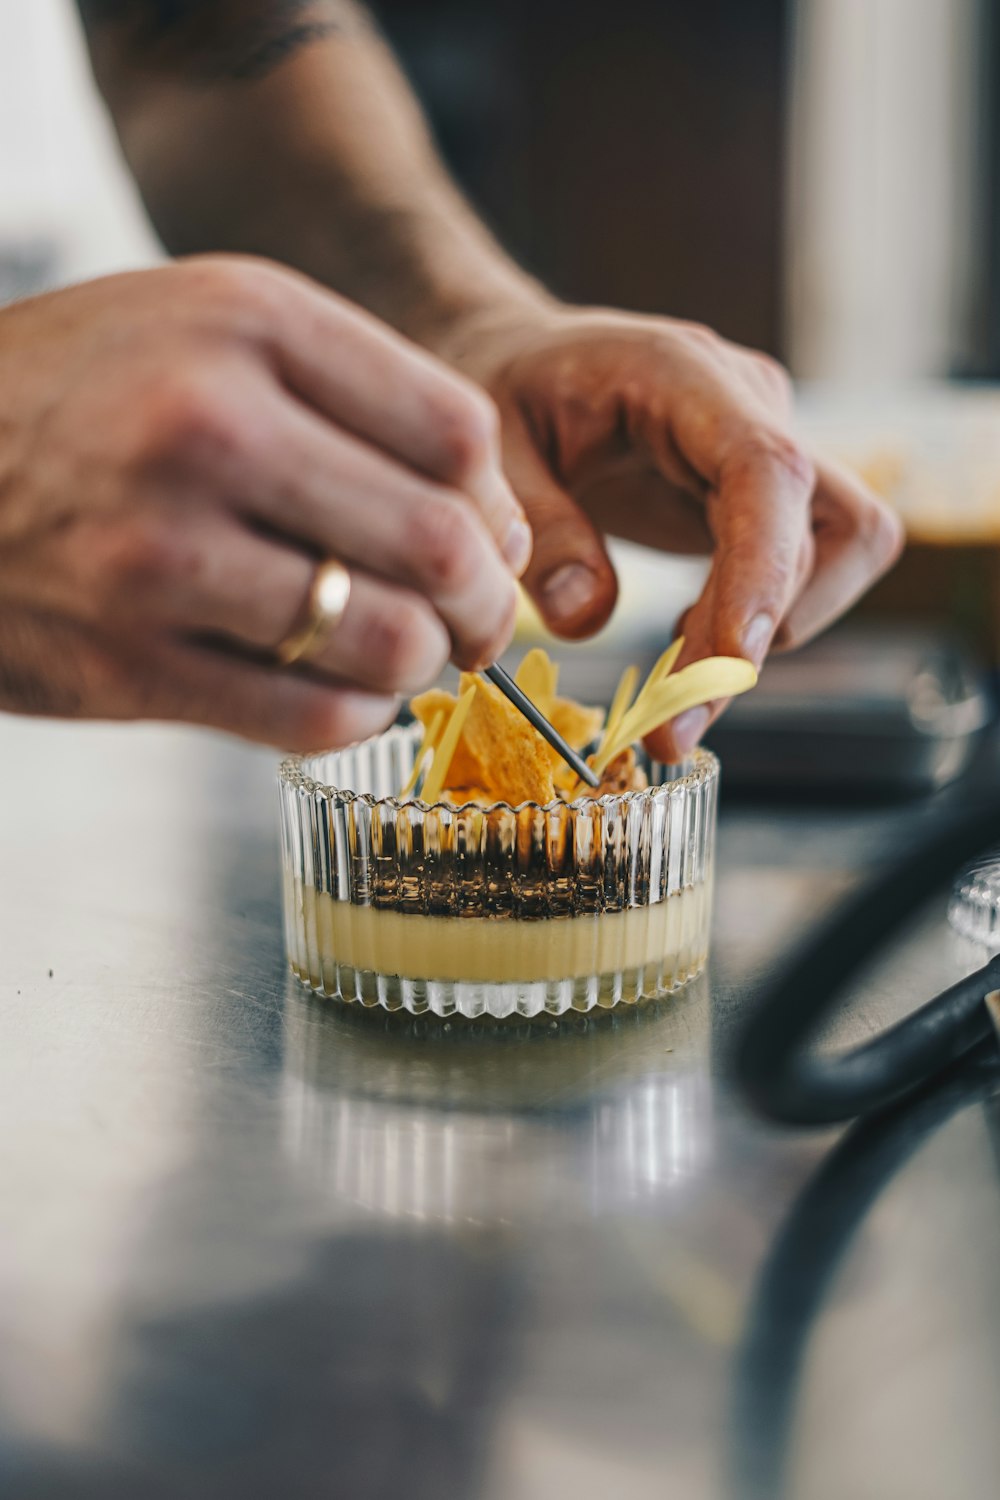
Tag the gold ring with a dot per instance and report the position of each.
(325, 606)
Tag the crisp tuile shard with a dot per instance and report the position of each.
(485, 751)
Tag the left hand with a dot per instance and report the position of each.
(661, 432)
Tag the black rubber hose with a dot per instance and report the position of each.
(787, 1081)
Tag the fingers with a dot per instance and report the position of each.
(389, 639)
(335, 495)
(695, 417)
(856, 539)
(767, 379)
(366, 378)
(759, 515)
(794, 547)
(200, 685)
(216, 577)
(676, 739)
(570, 576)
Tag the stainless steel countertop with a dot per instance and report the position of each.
(252, 1244)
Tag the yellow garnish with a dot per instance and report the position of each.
(538, 677)
(577, 723)
(619, 704)
(658, 676)
(626, 688)
(666, 663)
(435, 778)
(491, 753)
(701, 682)
(431, 732)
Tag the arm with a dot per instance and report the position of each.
(284, 128)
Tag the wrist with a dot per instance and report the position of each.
(455, 323)
(471, 333)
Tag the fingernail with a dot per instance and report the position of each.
(569, 591)
(517, 545)
(688, 728)
(757, 638)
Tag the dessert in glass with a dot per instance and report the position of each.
(460, 902)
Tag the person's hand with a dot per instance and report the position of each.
(663, 433)
(178, 450)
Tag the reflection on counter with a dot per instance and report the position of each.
(798, 1275)
(415, 1118)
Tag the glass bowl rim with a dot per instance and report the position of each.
(291, 773)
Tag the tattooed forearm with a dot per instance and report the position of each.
(329, 167)
(215, 39)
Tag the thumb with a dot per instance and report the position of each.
(570, 576)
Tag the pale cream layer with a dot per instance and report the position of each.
(414, 946)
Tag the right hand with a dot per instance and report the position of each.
(180, 447)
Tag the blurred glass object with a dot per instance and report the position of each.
(974, 909)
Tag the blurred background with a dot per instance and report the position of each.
(815, 177)
(818, 178)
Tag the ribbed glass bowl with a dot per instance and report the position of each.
(495, 911)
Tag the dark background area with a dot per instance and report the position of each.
(628, 153)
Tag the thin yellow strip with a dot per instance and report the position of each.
(625, 690)
(619, 704)
(660, 673)
(434, 781)
(703, 681)
(429, 740)
(666, 663)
